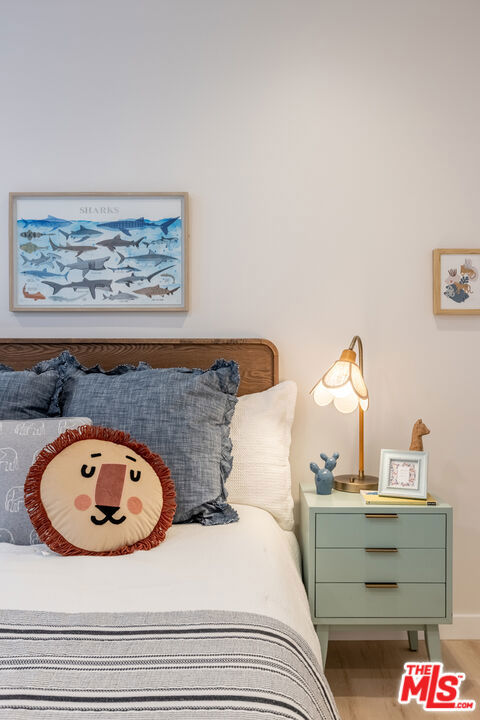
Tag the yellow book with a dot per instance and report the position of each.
(371, 497)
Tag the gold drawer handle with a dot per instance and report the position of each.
(381, 550)
(384, 516)
(388, 586)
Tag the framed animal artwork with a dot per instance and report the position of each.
(98, 251)
(456, 285)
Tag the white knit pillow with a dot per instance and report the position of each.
(261, 434)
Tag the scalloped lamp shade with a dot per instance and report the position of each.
(344, 384)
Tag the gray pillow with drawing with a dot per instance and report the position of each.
(20, 442)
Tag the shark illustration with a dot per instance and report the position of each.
(82, 232)
(38, 261)
(117, 241)
(31, 247)
(42, 273)
(50, 221)
(32, 296)
(61, 298)
(126, 225)
(32, 235)
(130, 279)
(84, 265)
(165, 224)
(170, 242)
(120, 296)
(78, 249)
(91, 285)
(156, 290)
(150, 257)
(163, 239)
(122, 268)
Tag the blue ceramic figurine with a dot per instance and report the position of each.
(324, 476)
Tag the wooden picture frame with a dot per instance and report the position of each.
(99, 251)
(456, 286)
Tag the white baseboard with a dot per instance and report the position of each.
(464, 627)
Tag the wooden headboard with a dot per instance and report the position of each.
(258, 359)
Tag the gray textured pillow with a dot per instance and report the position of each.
(183, 415)
(27, 394)
(20, 441)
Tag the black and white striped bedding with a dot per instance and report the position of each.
(176, 665)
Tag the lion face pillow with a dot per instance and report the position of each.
(95, 491)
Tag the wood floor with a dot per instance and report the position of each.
(364, 677)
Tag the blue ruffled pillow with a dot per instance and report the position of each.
(183, 415)
(27, 394)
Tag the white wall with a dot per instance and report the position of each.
(327, 146)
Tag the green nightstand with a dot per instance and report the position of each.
(377, 565)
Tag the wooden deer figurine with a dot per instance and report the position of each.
(419, 429)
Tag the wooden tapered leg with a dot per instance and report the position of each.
(322, 632)
(432, 641)
(413, 640)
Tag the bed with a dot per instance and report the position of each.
(212, 623)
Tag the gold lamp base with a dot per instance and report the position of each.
(355, 483)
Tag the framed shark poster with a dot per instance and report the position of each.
(98, 251)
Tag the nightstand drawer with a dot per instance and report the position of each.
(376, 528)
(375, 565)
(355, 600)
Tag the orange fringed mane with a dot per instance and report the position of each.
(39, 517)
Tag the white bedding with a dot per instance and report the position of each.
(249, 566)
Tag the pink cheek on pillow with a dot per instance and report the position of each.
(82, 502)
(135, 505)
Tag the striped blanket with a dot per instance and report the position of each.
(176, 665)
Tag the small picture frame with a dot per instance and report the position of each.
(456, 285)
(403, 473)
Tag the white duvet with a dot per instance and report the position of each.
(249, 566)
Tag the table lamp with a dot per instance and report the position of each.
(344, 384)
